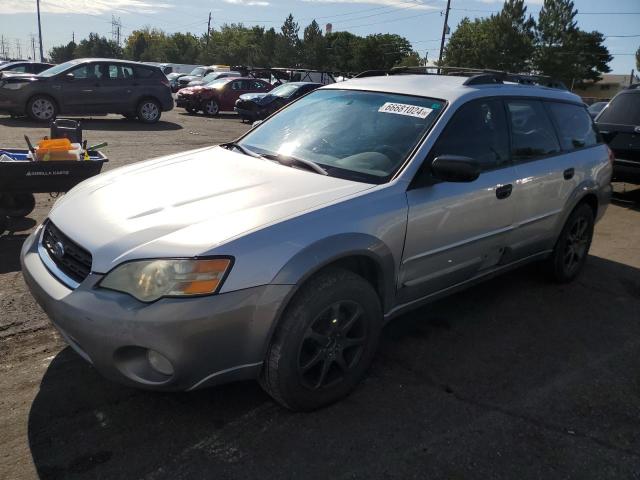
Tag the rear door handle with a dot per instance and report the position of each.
(568, 173)
(503, 191)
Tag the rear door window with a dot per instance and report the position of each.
(478, 130)
(624, 109)
(532, 133)
(575, 127)
(143, 72)
(119, 72)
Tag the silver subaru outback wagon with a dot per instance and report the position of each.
(281, 255)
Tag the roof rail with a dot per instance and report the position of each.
(477, 76)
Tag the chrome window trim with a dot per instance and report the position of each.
(51, 265)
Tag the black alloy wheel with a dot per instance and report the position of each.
(572, 248)
(332, 345)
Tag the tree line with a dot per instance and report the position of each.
(237, 44)
(509, 40)
(513, 41)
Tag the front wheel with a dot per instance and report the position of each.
(572, 247)
(149, 111)
(42, 108)
(211, 108)
(325, 342)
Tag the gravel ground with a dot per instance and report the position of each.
(514, 378)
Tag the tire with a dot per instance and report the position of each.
(307, 368)
(42, 108)
(17, 205)
(572, 247)
(191, 110)
(149, 111)
(211, 108)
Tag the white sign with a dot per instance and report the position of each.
(404, 109)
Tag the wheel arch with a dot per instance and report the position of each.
(362, 254)
(586, 192)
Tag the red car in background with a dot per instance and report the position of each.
(219, 95)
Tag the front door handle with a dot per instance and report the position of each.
(503, 191)
(568, 173)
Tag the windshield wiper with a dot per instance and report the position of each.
(242, 149)
(288, 161)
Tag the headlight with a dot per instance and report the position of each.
(149, 280)
(14, 86)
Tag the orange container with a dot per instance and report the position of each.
(57, 149)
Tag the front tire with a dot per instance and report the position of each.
(42, 108)
(572, 247)
(211, 108)
(324, 343)
(149, 111)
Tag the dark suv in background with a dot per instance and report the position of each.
(89, 87)
(619, 124)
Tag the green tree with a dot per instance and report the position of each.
(62, 53)
(504, 41)
(97, 46)
(287, 51)
(411, 60)
(563, 51)
(182, 48)
(380, 51)
(341, 47)
(314, 47)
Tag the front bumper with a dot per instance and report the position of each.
(188, 102)
(208, 340)
(626, 171)
(11, 104)
(250, 115)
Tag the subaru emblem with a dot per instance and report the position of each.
(58, 249)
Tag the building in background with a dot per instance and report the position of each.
(606, 88)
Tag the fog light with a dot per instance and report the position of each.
(159, 362)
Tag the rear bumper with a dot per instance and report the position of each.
(208, 340)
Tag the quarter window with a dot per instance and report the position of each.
(575, 126)
(142, 72)
(478, 130)
(119, 72)
(532, 134)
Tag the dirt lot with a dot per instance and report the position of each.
(515, 378)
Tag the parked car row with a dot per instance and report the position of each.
(219, 95)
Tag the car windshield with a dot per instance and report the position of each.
(383, 130)
(210, 77)
(596, 107)
(624, 109)
(50, 72)
(198, 71)
(284, 90)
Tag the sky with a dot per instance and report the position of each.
(420, 21)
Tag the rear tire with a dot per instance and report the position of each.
(572, 247)
(149, 111)
(42, 108)
(324, 343)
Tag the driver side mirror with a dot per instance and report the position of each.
(455, 168)
(69, 77)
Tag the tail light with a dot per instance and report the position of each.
(612, 157)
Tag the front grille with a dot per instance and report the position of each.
(73, 260)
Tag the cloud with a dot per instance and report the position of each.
(248, 3)
(88, 7)
(400, 4)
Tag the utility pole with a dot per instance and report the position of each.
(73, 37)
(445, 28)
(19, 49)
(208, 28)
(40, 32)
(116, 25)
(3, 48)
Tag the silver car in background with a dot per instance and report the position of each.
(281, 255)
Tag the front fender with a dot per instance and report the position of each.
(331, 249)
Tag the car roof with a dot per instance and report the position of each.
(114, 60)
(449, 87)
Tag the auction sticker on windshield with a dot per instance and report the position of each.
(404, 109)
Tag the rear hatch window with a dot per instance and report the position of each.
(624, 109)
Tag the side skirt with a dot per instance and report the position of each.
(419, 302)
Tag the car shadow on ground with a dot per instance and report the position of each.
(97, 123)
(11, 242)
(506, 366)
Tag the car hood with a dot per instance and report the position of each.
(187, 204)
(189, 78)
(252, 96)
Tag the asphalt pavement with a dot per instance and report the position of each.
(515, 378)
